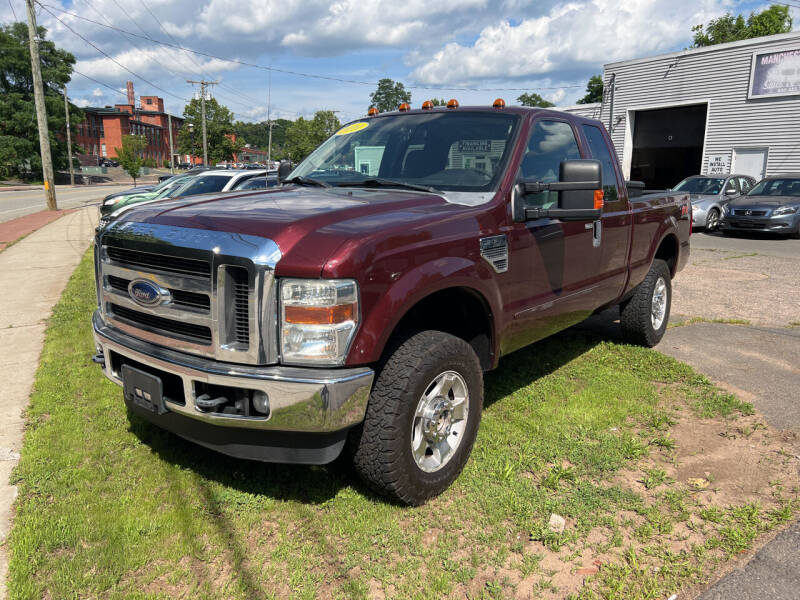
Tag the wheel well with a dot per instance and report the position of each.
(668, 252)
(458, 311)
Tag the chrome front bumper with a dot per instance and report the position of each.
(302, 400)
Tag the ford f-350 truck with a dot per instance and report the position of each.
(361, 302)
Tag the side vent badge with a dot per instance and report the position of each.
(494, 250)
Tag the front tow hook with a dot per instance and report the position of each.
(99, 359)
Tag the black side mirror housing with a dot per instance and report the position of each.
(580, 193)
(284, 168)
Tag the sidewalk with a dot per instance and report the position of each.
(33, 273)
(12, 230)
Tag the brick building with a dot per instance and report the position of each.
(101, 132)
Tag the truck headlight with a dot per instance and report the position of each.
(318, 320)
(784, 210)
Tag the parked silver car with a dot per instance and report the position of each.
(710, 193)
(772, 206)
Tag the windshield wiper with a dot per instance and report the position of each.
(380, 182)
(303, 180)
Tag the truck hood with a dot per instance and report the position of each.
(308, 224)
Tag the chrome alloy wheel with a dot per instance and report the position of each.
(658, 308)
(712, 220)
(440, 421)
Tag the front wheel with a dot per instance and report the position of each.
(712, 220)
(422, 418)
(645, 315)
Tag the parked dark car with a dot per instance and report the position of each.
(710, 193)
(772, 206)
(107, 162)
(162, 178)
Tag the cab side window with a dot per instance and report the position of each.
(599, 150)
(550, 143)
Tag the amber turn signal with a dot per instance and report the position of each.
(319, 315)
(372, 111)
(499, 103)
(452, 103)
(598, 199)
(405, 106)
(427, 105)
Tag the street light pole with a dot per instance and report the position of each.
(171, 155)
(41, 112)
(69, 140)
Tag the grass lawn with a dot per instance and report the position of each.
(610, 437)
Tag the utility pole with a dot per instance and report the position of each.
(69, 140)
(171, 154)
(41, 113)
(269, 121)
(203, 85)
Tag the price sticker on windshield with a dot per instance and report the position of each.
(352, 128)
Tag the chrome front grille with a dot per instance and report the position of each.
(217, 295)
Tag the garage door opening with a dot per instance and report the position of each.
(668, 144)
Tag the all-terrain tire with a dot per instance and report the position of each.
(637, 314)
(382, 445)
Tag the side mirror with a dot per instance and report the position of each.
(580, 193)
(731, 192)
(284, 168)
(635, 188)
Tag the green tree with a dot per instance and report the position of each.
(389, 95)
(304, 135)
(727, 28)
(534, 99)
(219, 125)
(130, 155)
(594, 90)
(19, 137)
(439, 101)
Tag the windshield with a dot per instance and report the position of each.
(172, 186)
(701, 185)
(449, 150)
(776, 187)
(201, 184)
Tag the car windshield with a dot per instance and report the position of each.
(463, 151)
(701, 185)
(776, 187)
(172, 186)
(201, 184)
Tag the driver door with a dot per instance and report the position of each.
(560, 258)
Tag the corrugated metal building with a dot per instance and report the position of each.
(727, 108)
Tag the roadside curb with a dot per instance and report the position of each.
(13, 230)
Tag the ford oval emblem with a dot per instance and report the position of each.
(147, 293)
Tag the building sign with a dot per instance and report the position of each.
(719, 164)
(775, 74)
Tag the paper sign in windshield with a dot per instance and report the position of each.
(352, 128)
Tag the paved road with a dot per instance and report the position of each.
(769, 245)
(15, 204)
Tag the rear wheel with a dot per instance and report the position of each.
(422, 418)
(645, 315)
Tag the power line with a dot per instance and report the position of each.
(12, 10)
(112, 59)
(311, 75)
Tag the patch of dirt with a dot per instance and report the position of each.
(740, 459)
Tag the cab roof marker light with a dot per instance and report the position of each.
(404, 107)
(452, 103)
(427, 105)
(499, 103)
(372, 111)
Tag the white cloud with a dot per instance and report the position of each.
(97, 92)
(81, 102)
(573, 35)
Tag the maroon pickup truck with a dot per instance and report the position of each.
(360, 302)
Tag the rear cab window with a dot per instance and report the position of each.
(599, 149)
